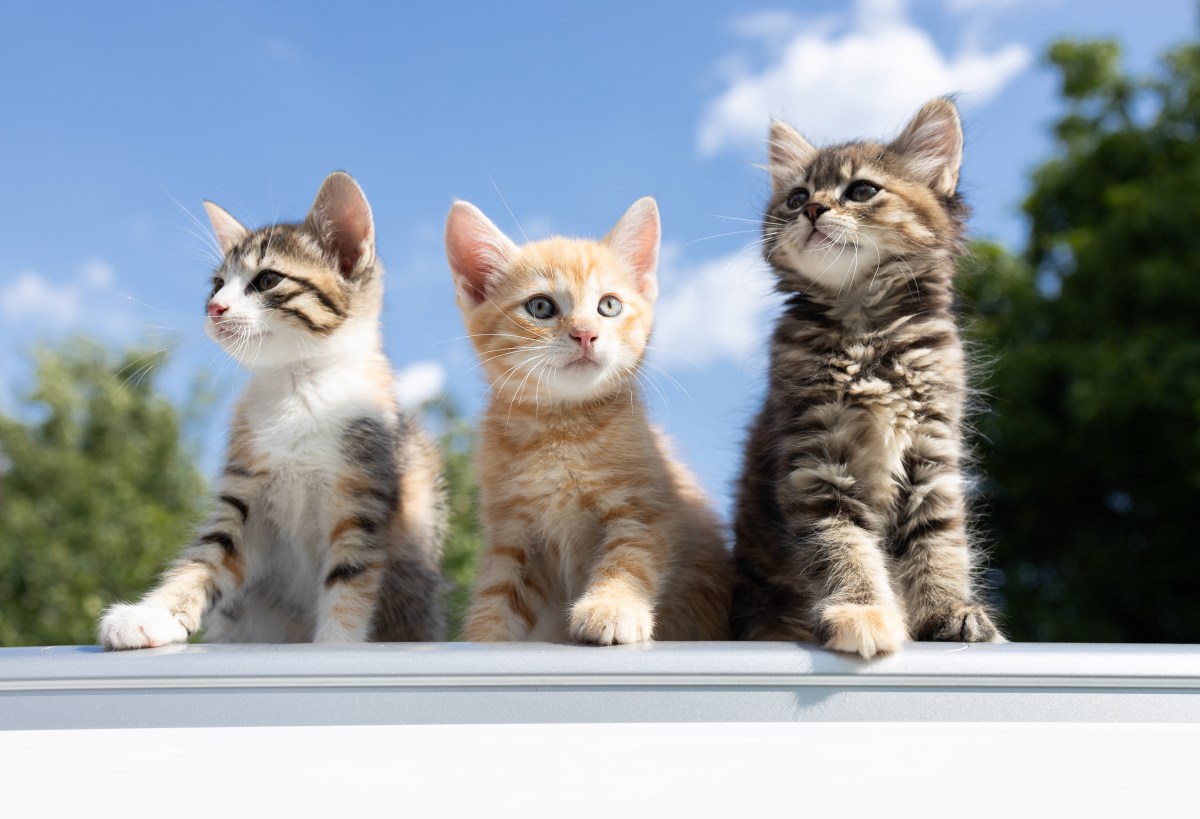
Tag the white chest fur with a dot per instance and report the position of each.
(297, 418)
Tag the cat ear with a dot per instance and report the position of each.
(933, 143)
(635, 239)
(229, 230)
(341, 219)
(789, 152)
(477, 251)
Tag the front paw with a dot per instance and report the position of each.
(486, 624)
(610, 619)
(865, 630)
(963, 622)
(141, 625)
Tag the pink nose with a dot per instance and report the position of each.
(813, 211)
(216, 310)
(585, 336)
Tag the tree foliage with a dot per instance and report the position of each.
(1092, 444)
(97, 492)
(465, 540)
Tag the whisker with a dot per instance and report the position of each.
(719, 235)
(672, 379)
(507, 208)
(152, 307)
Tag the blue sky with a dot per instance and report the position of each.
(117, 120)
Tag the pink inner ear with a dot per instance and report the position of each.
(351, 225)
(635, 239)
(475, 248)
(341, 218)
(229, 231)
(467, 262)
(932, 143)
(788, 151)
(644, 261)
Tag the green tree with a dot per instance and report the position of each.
(1091, 446)
(97, 492)
(464, 541)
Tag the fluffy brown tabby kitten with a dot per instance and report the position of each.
(595, 533)
(851, 520)
(328, 517)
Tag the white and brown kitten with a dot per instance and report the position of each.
(851, 521)
(329, 513)
(594, 532)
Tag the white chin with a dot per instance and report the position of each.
(831, 266)
(253, 352)
(577, 383)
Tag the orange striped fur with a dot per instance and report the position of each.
(595, 533)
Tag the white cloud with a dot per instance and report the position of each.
(847, 76)
(33, 297)
(719, 309)
(420, 382)
(978, 6)
(97, 274)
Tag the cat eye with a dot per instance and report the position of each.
(861, 191)
(609, 306)
(540, 307)
(266, 280)
(797, 198)
(217, 285)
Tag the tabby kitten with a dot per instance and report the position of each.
(594, 532)
(329, 513)
(851, 519)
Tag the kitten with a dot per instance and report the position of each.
(851, 518)
(594, 532)
(329, 514)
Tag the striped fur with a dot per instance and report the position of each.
(851, 519)
(329, 513)
(595, 533)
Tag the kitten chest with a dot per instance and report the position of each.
(297, 435)
(555, 486)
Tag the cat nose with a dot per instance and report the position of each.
(216, 310)
(585, 336)
(813, 211)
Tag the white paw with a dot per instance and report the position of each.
(610, 619)
(865, 630)
(141, 625)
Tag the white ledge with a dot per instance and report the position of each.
(455, 683)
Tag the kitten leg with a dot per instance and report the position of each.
(212, 566)
(933, 551)
(618, 605)
(503, 605)
(839, 552)
(364, 507)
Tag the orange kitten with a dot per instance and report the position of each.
(594, 532)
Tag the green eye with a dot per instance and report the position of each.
(609, 306)
(266, 280)
(541, 307)
(861, 191)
